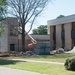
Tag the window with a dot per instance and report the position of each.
(12, 47)
(63, 36)
(13, 32)
(73, 25)
(54, 45)
(62, 27)
(73, 43)
(54, 33)
(54, 28)
(63, 43)
(73, 33)
(54, 38)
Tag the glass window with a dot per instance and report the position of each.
(73, 42)
(63, 43)
(54, 28)
(13, 31)
(12, 47)
(62, 27)
(73, 25)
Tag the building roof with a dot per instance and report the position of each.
(35, 37)
(66, 19)
(41, 37)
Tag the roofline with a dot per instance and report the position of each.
(66, 19)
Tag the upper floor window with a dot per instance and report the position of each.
(54, 33)
(73, 25)
(62, 27)
(54, 28)
(13, 32)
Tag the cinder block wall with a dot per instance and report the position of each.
(4, 40)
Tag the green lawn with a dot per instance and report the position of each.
(54, 58)
(49, 69)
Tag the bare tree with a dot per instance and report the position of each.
(27, 11)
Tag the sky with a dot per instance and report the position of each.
(53, 10)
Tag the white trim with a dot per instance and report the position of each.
(66, 19)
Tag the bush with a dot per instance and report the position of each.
(70, 63)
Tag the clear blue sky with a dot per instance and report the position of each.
(54, 9)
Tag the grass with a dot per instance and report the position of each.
(42, 68)
(53, 58)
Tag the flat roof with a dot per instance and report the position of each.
(66, 19)
(41, 37)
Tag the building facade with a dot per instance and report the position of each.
(9, 39)
(62, 32)
(31, 38)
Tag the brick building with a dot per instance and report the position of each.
(11, 40)
(62, 32)
(31, 38)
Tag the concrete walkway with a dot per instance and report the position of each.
(10, 71)
(26, 60)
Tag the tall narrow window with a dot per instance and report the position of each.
(73, 43)
(73, 34)
(54, 37)
(63, 36)
(73, 25)
(54, 28)
(62, 27)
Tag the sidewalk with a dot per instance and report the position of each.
(10, 71)
(26, 60)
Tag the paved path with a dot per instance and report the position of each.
(38, 61)
(10, 71)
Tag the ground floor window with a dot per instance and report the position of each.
(63, 43)
(73, 43)
(12, 47)
(54, 45)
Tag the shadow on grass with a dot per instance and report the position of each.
(7, 62)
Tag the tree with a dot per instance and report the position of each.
(35, 31)
(2, 29)
(60, 16)
(3, 9)
(27, 11)
(40, 30)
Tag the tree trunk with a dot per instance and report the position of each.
(23, 38)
